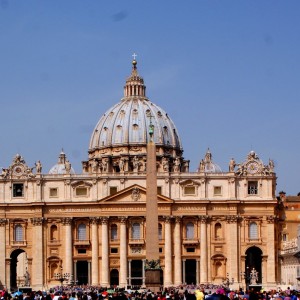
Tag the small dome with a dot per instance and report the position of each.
(207, 165)
(62, 165)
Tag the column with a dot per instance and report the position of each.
(168, 253)
(271, 251)
(2, 251)
(129, 271)
(37, 280)
(233, 260)
(67, 265)
(203, 250)
(183, 271)
(104, 251)
(123, 253)
(177, 252)
(95, 251)
(143, 273)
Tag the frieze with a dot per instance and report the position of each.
(188, 208)
(59, 210)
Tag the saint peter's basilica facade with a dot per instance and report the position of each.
(90, 227)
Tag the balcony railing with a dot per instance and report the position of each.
(82, 242)
(192, 241)
(136, 241)
(19, 243)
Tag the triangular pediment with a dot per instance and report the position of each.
(132, 194)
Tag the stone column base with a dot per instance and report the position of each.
(153, 280)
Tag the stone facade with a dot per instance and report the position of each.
(91, 228)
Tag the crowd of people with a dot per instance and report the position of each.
(187, 292)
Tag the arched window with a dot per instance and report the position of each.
(53, 233)
(81, 232)
(114, 232)
(136, 231)
(19, 237)
(190, 230)
(218, 231)
(160, 232)
(253, 231)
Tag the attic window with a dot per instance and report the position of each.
(113, 190)
(53, 192)
(189, 190)
(81, 191)
(18, 190)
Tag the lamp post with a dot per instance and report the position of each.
(61, 277)
(227, 281)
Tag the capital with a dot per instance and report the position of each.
(66, 221)
(37, 221)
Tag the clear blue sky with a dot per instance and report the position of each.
(227, 72)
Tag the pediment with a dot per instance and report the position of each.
(189, 182)
(132, 194)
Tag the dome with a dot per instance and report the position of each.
(207, 165)
(62, 166)
(128, 121)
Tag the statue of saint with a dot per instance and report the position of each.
(232, 165)
(202, 166)
(121, 164)
(177, 165)
(68, 167)
(165, 164)
(135, 163)
(38, 167)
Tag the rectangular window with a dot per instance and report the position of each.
(81, 191)
(113, 190)
(53, 192)
(159, 190)
(284, 237)
(189, 190)
(217, 191)
(81, 251)
(18, 190)
(160, 250)
(190, 250)
(114, 250)
(252, 187)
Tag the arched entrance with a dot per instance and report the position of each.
(19, 275)
(114, 277)
(253, 261)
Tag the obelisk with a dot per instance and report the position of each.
(152, 267)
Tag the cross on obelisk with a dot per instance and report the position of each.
(134, 56)
(152, 243)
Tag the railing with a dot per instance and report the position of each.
(19, 243)
(81, 242)
(136, 241)
(192, 241)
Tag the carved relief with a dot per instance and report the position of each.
(3, 222)
(135, 195)
(37, 221)
(254, 166)
(94, 220)
(66, 221)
